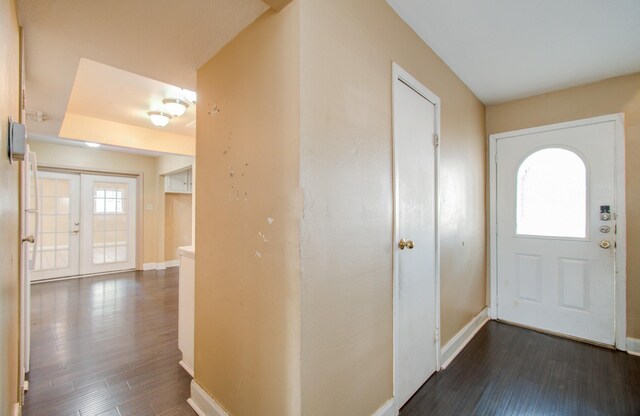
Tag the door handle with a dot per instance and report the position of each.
(405, 243)
(29, 239)
(605, 244)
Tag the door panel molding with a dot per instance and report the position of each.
(620, 308)
(399, 74)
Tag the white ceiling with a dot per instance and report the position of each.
(508, 49)
(164, 40)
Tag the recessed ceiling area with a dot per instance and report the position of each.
(504, 50)
(104, 92)
(161, 40)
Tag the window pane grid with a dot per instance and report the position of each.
(110, 223)
(53, 237)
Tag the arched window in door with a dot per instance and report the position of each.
(552, 194)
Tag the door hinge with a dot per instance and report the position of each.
(436, 335)
(436, 139)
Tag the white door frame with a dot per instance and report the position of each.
(400, 74)
(620, 293)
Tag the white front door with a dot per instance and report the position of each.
(415, 284)
(87, 225)
(556, 222)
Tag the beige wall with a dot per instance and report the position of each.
(262, 347)
(9, 211)
(247, 328)
(177, 224)
(82, 128)
(173, 163)
(55, 155)
(346, 163)
(621, 94)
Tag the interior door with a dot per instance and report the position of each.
(57, 240)
(557, 230)
(108, 223)
(415, 277)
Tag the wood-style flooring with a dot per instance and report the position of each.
(506, 370)
(107, 345)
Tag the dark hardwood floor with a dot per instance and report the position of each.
(507, 370)
(107, 345)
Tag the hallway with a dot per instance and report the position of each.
(506, 370)
(107, 345)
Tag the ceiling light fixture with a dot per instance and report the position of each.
(159, 118)
(91, 144)
(189, 95)
(175, 107)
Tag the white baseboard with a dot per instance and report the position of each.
(186, 367)
(161, 265)
(387, 409)
(16, 409)
(202, 403)
(462, 338)
(633, 346)
(172, 263)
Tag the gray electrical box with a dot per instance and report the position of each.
(17, 140)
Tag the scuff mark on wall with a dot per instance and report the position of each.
(270, 220)
(214, 110)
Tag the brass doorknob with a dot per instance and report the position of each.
(405, 243)
(605, 244)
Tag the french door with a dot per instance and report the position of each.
(87, 225)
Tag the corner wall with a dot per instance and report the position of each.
(615, 95)
(9, 210)
(248, 208)
(347, 49)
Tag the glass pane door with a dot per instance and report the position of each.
(108, 215)
(57, 239)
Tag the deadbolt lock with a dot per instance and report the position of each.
(605, 244)
(605, 229)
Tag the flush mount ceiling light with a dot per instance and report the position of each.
(159, 118)
(175, 107)
(189, 95)
(91, 144)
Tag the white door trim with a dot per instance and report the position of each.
(621, 220)
(411, 82)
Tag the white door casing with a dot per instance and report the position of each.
(554, 275)
(416, 283)
(29, 232)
